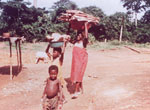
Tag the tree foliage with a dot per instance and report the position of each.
(146, 18)
(97, 30)
(60, 7)
(136, 5)
(19, 17)
(56, 10)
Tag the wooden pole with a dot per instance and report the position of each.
(20, 55)
(18, 62)
(121, 30)
(10, 45)
(136, 19)
(120, 37)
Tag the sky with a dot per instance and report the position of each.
(109, 7)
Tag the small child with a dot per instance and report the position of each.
(52, 96)
(57, 58)
(41, 56)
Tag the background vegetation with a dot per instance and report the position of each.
(21, 18)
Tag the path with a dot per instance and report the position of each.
(116, 79)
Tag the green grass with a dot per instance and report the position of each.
(7, 46)
(28, 46)
(41, 46)
(96, 45)
(116, 44)
(105, 45)
(146, 45)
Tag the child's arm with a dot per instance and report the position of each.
(47, 51)
(62, 54)
(44, 92)
(61, 59)
(64, 46)
(86, 29)
(61, 95)
(85, 40)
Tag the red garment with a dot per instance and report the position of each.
(79, 63)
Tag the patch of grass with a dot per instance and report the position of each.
(105, 45)
(6, 47)
(116, 44)
(41, 46)
(146, 45)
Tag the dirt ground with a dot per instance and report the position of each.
(115, 79)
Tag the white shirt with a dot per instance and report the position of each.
(79, 44)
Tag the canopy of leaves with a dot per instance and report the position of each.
(60, 7)
(136, 5)
(146, 17)
(18, 17)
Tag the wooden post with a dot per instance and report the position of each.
(121, 30)
(136, 19)
(20, 55)
(105, 40)
(10, 45)
(120, 37)
(18, 62)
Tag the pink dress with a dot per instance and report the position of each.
(79, 63)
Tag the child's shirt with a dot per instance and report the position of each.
(57, 63)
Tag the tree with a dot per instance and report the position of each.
(142, 32)
(118, 26)
(93, 10)
(97, 30)
(17, 17)
(56, 10)
(11, 12)
(60, 7)
(136, 6)
(36, 31)
(146, 18)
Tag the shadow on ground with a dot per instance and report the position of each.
(70, 87)
(5, 70)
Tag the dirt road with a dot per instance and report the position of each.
(117, 79)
